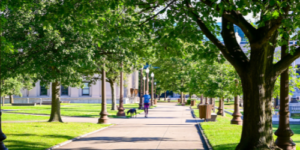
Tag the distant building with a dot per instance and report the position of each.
(88, 94)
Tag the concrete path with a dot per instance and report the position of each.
(167, 127)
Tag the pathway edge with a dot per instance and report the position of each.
(76, 138)
(206, 141)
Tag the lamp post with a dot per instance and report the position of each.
(121, 112)
(152, 75)
(284, 132)
(236, 114)
(103, 114)
(155, 90)
(147, 79)
(141, 94)
(144, 78)
(2, 135)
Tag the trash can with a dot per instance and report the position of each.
(178, 100)
(204, 111)
(192, 102)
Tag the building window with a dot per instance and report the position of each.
(64, 90)
(43, 91)
(86, 89)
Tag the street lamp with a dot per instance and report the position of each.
(147, 79)
(155, 90)
(141, 94)
(121, 109)
(144, 78)
(152, 96)
(103, 114)
(236, 114)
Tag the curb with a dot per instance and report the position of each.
(76, 138)
(203, 137)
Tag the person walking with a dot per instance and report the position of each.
(146, 103)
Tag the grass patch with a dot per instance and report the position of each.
(81, 110)
(224, 136)
(42, 135)
(19, 117)
(295, 116)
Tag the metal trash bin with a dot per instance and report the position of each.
(192, 102)
(205, 111)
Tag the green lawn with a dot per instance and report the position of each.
(224, 136)
(20, 117)
(42, 135)
(82, 110)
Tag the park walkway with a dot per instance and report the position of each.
(167, 127)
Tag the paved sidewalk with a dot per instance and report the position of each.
(167, 127)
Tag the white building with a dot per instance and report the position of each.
(89, 94)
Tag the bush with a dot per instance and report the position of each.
(188, 101)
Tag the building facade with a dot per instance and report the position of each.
(88, 94)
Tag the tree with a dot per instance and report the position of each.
(13, 86)
(173, 74)
(52, 52)
(258, 73)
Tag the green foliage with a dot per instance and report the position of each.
(188, 101)
(13, 86)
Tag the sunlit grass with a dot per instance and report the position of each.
(42, 135)
(224, 136)
(20, 117)
(80, 110)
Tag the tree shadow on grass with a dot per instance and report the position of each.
(13, 144)
(225, 147)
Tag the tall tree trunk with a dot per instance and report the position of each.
(227, 100)
(166, 96)
(113, 97)
(257, 130)
(181, 99)
(55, 106)
(11, 99)
(3, 100)
(159, 95)
(201, 99)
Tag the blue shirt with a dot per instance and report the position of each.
(147, 98)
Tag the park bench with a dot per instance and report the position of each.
(50, 102)
(23, 104)
(213, 117)
(294, 108)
